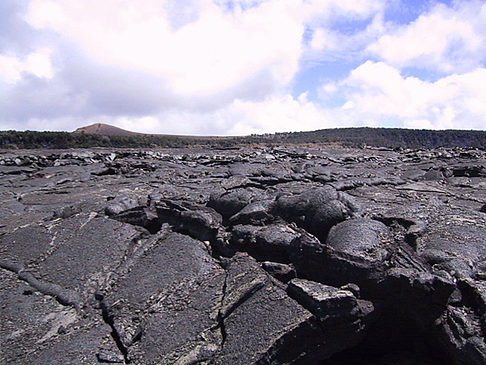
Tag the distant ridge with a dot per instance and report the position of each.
(105, 135)
(105, 130)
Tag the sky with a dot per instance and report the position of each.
(238, 67)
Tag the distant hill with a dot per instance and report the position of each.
(110, 130)
(105, 130)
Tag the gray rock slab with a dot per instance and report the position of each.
(94, 248)
(166, 309)
(26, 244)
(262, 324)
(456, 243)
(88, 343)
(29, 320)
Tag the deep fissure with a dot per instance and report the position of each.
(398, 334)
(108, 319)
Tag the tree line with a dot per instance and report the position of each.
(347, 137)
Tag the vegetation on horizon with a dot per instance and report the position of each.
(347, 137)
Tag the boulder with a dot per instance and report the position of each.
(316, 210)
(231, 202)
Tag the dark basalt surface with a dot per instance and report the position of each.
(286, 255)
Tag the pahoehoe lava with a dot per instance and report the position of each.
(263, 255)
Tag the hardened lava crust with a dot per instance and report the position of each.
(263, 255)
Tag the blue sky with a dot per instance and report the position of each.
(235, 67)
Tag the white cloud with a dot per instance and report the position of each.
(360, 8)
(450, 39)
(329, 43)
(214, 52)
(228, 66)
(281, 113)
(10, 68)
(37, 63)
(328, 10)
(278, 114)
(377, 91)
(320, 39)
(201, 48)
(147, 124)
(374, 94)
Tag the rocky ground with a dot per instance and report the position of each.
(284, 255)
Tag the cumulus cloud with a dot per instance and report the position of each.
(328, 43)
(37, 63)
(121, 60)
(450, 39)
(215, 51)
(377, 91)
(328, 11)
(279, 113)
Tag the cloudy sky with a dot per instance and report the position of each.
(232, 67)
